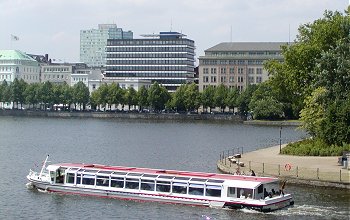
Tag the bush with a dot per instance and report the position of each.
(314, 147)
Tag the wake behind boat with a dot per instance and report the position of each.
(170, 186)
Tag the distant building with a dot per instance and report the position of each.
(56, 73)
(167, 58)
(237, 64)
(94, 41)
(16, 64)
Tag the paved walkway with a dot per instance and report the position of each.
(269, 162)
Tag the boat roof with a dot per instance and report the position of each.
(97, 168)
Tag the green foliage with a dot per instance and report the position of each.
(313, 113)
(158, 96)
(192, 97)
(178, 101)
(244, 99)
(130, 97)
(142, 95)
(231, 99)
(208, 97)
(220, 96)
(314, 147)
(81, 94)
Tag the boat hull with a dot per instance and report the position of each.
(158, 197)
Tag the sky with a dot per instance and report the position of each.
(53, 26)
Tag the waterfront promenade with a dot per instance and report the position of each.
(318, 171)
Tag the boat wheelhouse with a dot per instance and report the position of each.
(170, 186)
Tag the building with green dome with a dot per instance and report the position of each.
(16, 64)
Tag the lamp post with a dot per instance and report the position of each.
(280, 139)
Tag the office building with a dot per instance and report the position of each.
(93, 43)
(167, 58)
(237, 64)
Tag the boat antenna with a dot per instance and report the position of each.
(44, 165)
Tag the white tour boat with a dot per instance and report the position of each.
(170, 186)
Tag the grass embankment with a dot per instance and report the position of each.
(314, 147)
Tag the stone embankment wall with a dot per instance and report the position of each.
(152, 116)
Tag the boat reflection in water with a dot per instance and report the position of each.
(170, 186)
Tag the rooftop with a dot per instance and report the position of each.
(247, 46)
(14, 55)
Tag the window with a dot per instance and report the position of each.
(231, 191)
(196, 189)
(240, 70)
(212, 190)
(70, 178)
(117, 182)
(88, 179)
(232, 70)
(258, 70)
(102, 181)
(258, 79)
(163, 186)
(147, 184)
(179, 187)
(131, 183)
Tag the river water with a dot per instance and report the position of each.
(194, 146)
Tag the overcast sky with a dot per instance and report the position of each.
(53, 26)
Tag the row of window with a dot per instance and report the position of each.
(146, 74)
(149, 62)
(56, 69)
(25, 69)
(55, 77)
(240, 79)
(149, 68)
(231, 70)
(115, 42)
(150, 55)
(146, 184)
(244, 53)
(150, 49)
(231, 62)
(238, 87)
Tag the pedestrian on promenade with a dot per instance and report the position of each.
(252, 173)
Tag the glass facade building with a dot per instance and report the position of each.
(93, 43)
(167, 58)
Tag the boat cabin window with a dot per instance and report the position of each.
(163, 186)
(88, 179)
(179, 187)
(102, 181)
(132, 183)
(117, 182)
(147, 184)
(212, 190)
(244, 193)
(60, 174)
(182, 178)
(196, 189)
(70, 178)
(215, 181)
(231, 191)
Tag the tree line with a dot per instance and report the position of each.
(186, 98)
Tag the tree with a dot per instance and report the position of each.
(208, 97)
(297, 77)
(142, 97)
(158, 96)
(67, 95)
(17, 90)
(220, 96)
(31, 94)
(178, 99)
(231, 99)
(192, 97)
(131, 97)
(112, 94)
(46, 94)
(5, 92)
(244, 98)
(81, 94)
